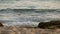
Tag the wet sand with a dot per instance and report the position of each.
(18, 30)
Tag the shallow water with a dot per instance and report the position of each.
(28, 16)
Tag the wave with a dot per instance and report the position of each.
(31, 16)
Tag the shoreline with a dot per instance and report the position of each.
(18, 30)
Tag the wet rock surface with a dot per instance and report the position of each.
(49, 25)
(1, 25)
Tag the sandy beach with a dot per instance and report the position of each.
(18, 30)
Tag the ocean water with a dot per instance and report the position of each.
(31, 17)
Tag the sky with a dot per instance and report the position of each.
(30, 4)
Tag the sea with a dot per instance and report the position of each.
(29, 17)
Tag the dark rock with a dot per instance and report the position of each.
(49, 25)
(1, 25)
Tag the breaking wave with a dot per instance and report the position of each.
(28, 16)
